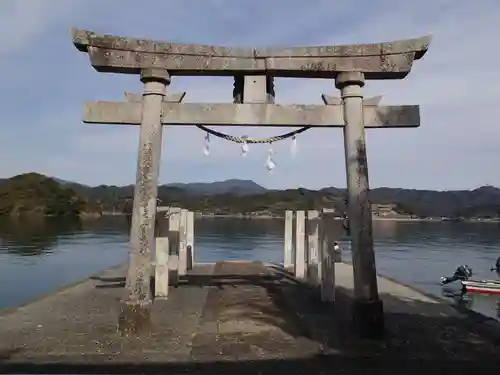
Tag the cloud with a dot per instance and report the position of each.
(24, 21)
(45, 82)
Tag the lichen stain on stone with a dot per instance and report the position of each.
(364, 228)
(143, 238)
(146, 163)
(134, 320)
(146, 195)
(132, 317)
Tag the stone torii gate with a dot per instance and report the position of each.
(253, 69)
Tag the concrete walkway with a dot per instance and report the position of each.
(235, 317)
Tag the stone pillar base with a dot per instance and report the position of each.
(368, 319)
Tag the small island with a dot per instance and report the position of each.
(33, 194)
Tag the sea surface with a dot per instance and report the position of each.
(37, 257)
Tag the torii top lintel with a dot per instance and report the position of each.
(115, 54)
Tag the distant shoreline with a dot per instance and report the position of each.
(374, 218)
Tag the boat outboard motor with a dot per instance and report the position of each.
(468, 272)
(462, 273)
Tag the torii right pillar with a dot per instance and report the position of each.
(368, 312)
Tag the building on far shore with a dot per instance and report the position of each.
(383, 209)
(337, 206)
(330, 204)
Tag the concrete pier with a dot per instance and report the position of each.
(241, 317)
(237, 317)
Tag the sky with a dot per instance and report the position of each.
(44, 82)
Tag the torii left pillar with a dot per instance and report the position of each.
(136, 308)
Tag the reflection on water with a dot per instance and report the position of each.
(234, 239)
(484, 303)
(31, 237)
(419, 253)
(37, 257)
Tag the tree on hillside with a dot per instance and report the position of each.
(33, 193)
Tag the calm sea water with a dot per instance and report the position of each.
(38, 257)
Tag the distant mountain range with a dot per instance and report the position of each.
(247, 196)
(233, 186)
(249, 187)
(64, 182)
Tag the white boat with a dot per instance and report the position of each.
(482, 286)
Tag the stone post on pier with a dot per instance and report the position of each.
(190, 239)
(142, 232)
(368, 317)
(170, 242)
(174, 216)
(162, 256)
(288, 250)
(183, 252)
(315, 255)
(327, 259)
(300, 249)
(312, 246)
